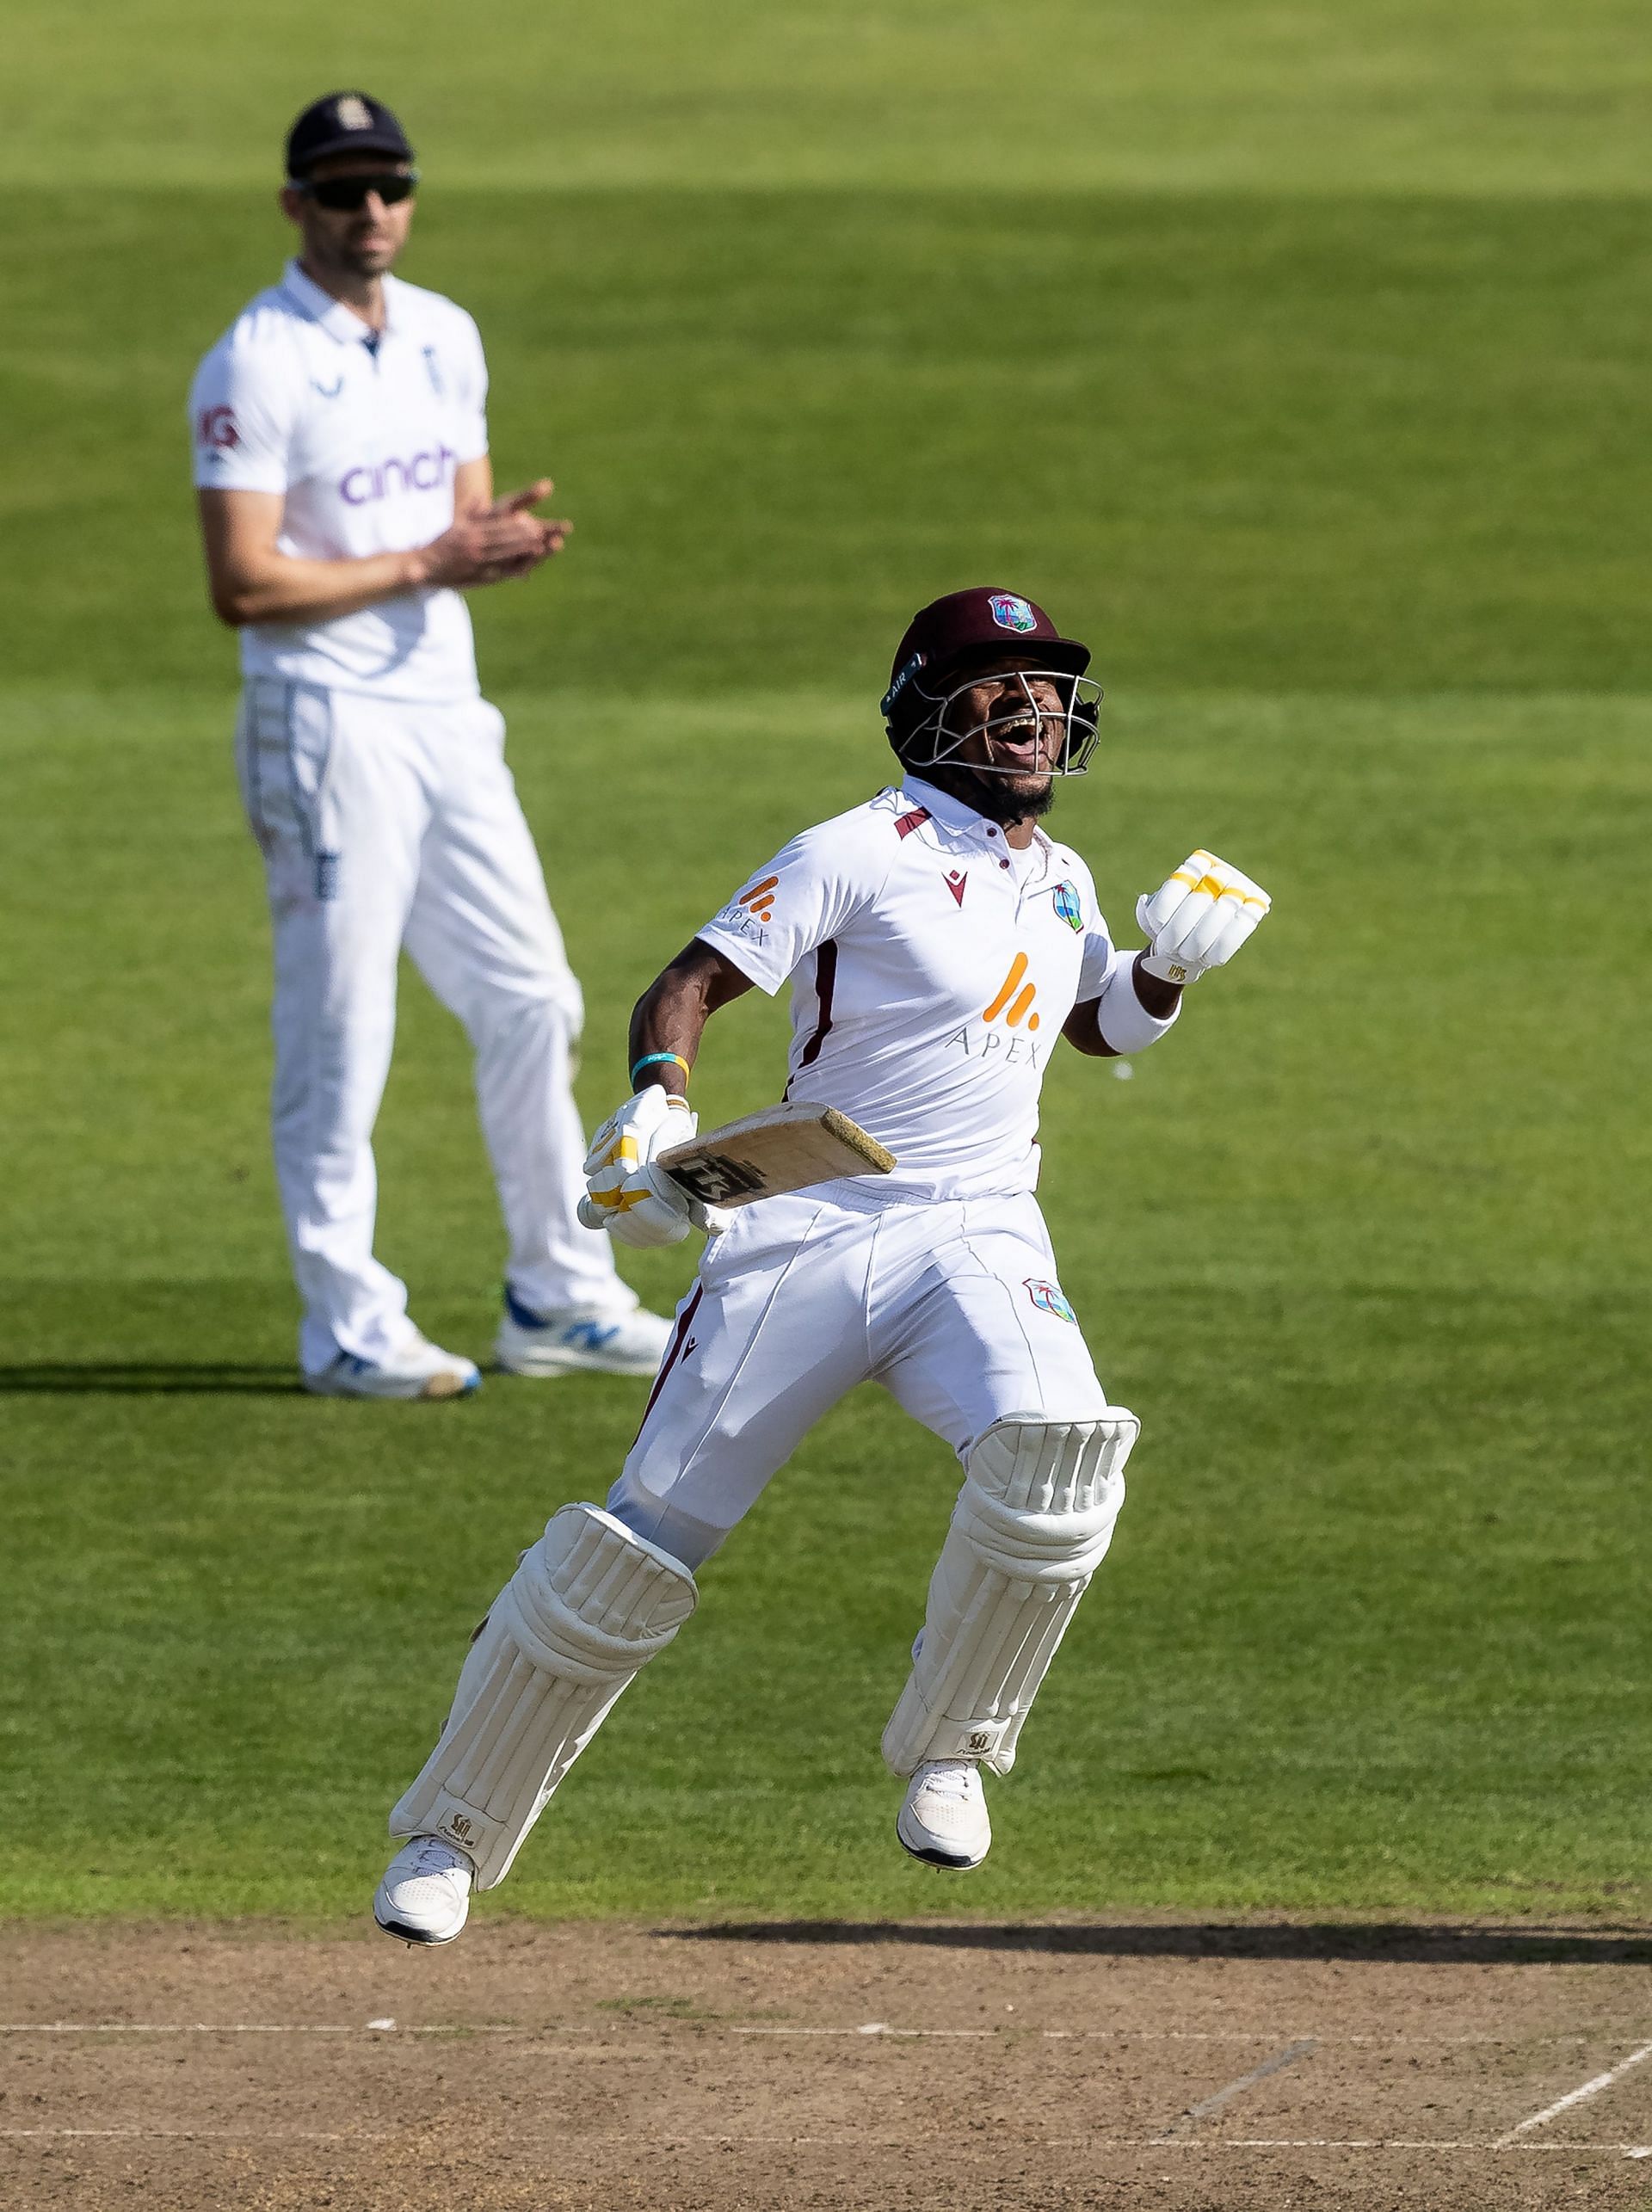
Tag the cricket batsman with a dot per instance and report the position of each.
(937, 943)
(347, 501)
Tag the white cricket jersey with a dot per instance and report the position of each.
(361, 436)
(932, 967)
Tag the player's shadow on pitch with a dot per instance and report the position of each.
(148, 1378)
(1353, 1942)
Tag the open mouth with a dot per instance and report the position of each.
(1021, 739)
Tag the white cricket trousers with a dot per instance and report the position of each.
(385, 824)
(952, 1304)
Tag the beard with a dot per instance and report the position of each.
(992, 796)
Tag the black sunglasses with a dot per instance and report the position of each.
(348, 194)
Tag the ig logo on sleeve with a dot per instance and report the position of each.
(215, 429)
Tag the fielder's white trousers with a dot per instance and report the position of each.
(953, 1305)
(386, 824)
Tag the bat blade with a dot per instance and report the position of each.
(784, 1148)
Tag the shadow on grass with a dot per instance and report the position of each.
(1445, 1945)
(143, 1378)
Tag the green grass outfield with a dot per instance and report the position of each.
(1298, 369)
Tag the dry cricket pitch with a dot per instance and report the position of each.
(1141, 2062)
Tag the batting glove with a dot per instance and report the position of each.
(1199, 918)
(626, 1193)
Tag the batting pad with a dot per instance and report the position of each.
(588, 1605)
(1031, 1525)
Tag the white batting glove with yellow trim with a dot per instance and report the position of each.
(1199, 918)
(624, 1194)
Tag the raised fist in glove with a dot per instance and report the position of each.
(627, 1196)
(1199, 918)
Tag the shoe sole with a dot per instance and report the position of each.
(549, 1366)
(408, 1934)
(950, 1863)
(450, 1385)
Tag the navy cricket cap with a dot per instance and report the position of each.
(967, 628)
(344, 123)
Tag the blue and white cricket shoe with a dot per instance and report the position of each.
(418, 1370)
(594, 1339)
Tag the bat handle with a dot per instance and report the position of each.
(590, 1213)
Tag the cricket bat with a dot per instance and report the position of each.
(784, 1148)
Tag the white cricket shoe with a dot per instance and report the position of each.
(944, 1820)
(417, 1370)
(425, 1896)
(596, 1339)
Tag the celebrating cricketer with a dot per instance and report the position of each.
(937, 943)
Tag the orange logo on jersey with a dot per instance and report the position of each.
(759, 901)
(1014, 1000)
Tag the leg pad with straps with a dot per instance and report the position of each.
(589, 1604)
(1031, 1525)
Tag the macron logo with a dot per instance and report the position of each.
(425, 472)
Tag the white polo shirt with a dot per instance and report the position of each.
(361, 437)
(932, 967)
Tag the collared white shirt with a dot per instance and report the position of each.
(932, 967)
(362, 437)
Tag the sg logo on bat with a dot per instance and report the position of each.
(715, 1181)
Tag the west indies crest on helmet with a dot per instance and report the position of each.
(947, 646)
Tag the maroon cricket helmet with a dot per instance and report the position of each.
(963, 630)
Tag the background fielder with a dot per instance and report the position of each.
(346, 498)
(937, 943)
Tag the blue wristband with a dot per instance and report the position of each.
(653, 1059)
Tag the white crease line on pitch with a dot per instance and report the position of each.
(867, 2028)
(1203, 2145)
(172, 2028)
(1407, 2040)
(274, 2028)
(1214, 2103)
(1011, 2027)
(210, 2135)
(1389, 2143)
(1578, 2096)
(1003, 2028)
(870, 2028)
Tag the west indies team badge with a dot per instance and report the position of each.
(1010, 612)
(1050, 1299)
(1069, 908)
